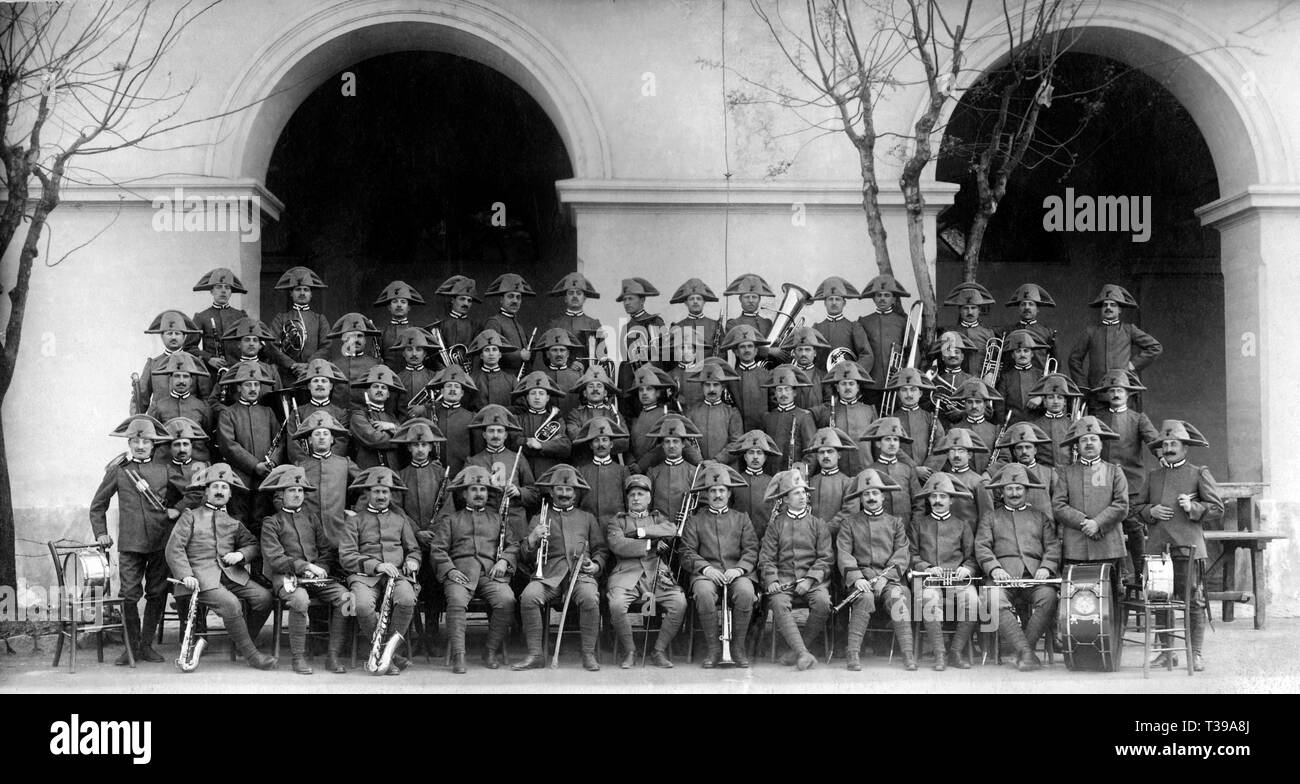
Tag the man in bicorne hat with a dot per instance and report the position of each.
(512, 289)
(942, 543)
(791, 427)
(706, 332)
(558, 348)
(174, 329)
(373, 423)
(603, 474)
(1091, 500)
(796, 561)
(399, 296)
(217, 319)
(539, 405)
(585, 330)
(885, 328)
(181, 399)
(846, 410)
(887, 439)
(1058, 393)
(749, 393)
(1112, 344)
(839, 331)
(1029, 299)
(350, 338)
(301, 334)
(1018, 380)
(719, 422)
(327, 468)
(970, 298)
(493, 382)
(459, 328)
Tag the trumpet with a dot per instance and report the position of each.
(381, 655)
(949, 578)
(725, 635)
(192, 645)
(992, 359)
(293, 582)
(544, 546)
(144, 488)
(1025, 582)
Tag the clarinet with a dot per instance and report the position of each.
(380, 454)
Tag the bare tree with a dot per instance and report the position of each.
(76, 81)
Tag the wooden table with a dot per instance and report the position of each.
(1256, 542)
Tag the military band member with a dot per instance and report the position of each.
(795, 559)
(538, 399)
(183, 465)
(1018, 380)
(301, 334)
(493, 382)
(295, 547)
(1058, 393)
(174, 329)
(453, 384)
(1029, 299)
(705, 331)
(749, 393)
(887, 437)
(789, 426)
(1112, 344)
(1091, 500)
(684, 359)
(958, 450)
(145, 511)
(838, 330)
(846, 410)
(649, 386)
(251, 440)
(1134, 429)
(209, 552)
(584, 330)
(251, 341)
(977, 400)
(459, 328)
(719, 547)
(940, 540)
(378, 542)
(399, 296)
(672, 474)
(424, 475)
(416, 369)
(595, 391)
(181, 399)
(470, 561)
(603, 474)
(873, 555)
(558, 364)
(924, 427)
(828, 485)
(639, 540)
(319, 379)
(1020, 445)
(970, 298)
(803, 344)
(718, 422)
(1018, 541)
(953, 350)
(217, 319)
(372, 424)
(350, 336)
(749, 290)
(643, 336)
(328, 469)
(755, 451)
(576, 550)
(497, 427)
(1177, 502)
(512, 289)
(885, 328)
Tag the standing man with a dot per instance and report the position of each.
(512, 289)
(1112, 344)
(576, 290)
(1091, 500)
(885, 329)
(300, 333)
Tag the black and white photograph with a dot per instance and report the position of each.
(618, 347)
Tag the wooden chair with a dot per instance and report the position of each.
(85, 591)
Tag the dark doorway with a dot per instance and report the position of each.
(402, 181)
(1141, 142)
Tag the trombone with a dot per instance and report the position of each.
(992, 359)
(897, 361)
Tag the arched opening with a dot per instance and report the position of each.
(438, 165)
(1143, 144)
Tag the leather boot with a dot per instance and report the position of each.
(1011, 634)
(589, 624)
(740, 620)
(1039, 620)
(456, 633)
(498, 628)
(903, 632)
(853, 646)
(1198, 636)
(298, 642)
(961, 641)
(238, 632)
(709, 625)
(399, 621)
(338, 636)
(659, 658)
(669, 625)
(934, 633)
(589, 662)
(153, 611)
(130, 632)
(532, 623)
(626, 645)
(789, 631)
(458, 663)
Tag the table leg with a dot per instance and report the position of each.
(1259, 584)
(1229, 580)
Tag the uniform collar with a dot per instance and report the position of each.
(325, 456)
(399, 322)
(1106, 323)
(131, 459)
(638, 515)
(215, 306)
(748, 314)
(968, 324)
(1020, 508)
(640, 314)
(879, 512)
(532, 410)
(244, 402)
(1119, 410)
(753, 471)
(1022, 367)
(425, 464)
(291, 511)
(346, 355)
(602, 461)
(880, 312)
(909, 408)
(573, 313)
(1085, 461)
(214, 508)
(961, 470)
(1179, 464)
(708, 402)
(182, 462)
(785, 409)
(673, 461)
(375, 511)
(747, 365)
(415, 368)
(494, 450)
(799, 515)
(829, 317)
(179, 397)
(493, 369)
(830, 471)
(556, 368)
(456, 315)
(941, 517)
(886, 460)
(319, 403)
(976, 420)
(1050, 415)
(718, 512)
(562, 509)
(301, 308)
(507, 315)
(1029, 323)
(376, 407)
(167, 352)
(447, 405)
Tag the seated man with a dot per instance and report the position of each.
(209, 552)
(943, 544)
(640, 539)
(720, 548)
(380, 542)
(873, 555)
(795, 559)
(1017, 541)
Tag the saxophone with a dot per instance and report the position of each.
(381, 655)
(192, 645)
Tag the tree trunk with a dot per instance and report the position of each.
(871, 207)
(974, 242)
(915, 202)
(8, 553)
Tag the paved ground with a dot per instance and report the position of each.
(1239, 659)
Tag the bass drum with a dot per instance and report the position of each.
(1088, 617)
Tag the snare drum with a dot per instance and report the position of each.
(1088, 617)
(1158, 577)
(87, 573)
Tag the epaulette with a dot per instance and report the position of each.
(116, 462)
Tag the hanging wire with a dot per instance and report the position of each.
(726, 174)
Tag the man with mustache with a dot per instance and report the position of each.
(1090, 500)
(1134, 429)
(1112, 343)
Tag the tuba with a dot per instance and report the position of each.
(793, 300)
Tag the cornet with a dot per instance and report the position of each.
(544, 546)
(949, 579)
(1025, 582)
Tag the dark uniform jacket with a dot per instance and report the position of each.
(724, 540)
(794, 548)
(292, 541)
(1044, 333)
(843, 332)
(168, 406)
(569, 531)
(869, 546)
(1057, 428)
(1184, 528)
(812, 396)
(884, 332)
(454, 422)
(299, 448)
(707, 331)
(331, 477)
(214, 322)
(899, 502)
(605, 497)
(854, 419)
(1020, 541)
(459, 331)
(1135, 432)
(414, 380)
(370, 539)
(778, 425)
(141, 528)
(749, 394)
(316, 342)
(1111, 346)
(247, 433)
(564, 379)
(719, 424)
(388, 335)
(200, 539)
(582, 327)
(156, 382)
(827, 499)
(920, 426)
(1100, 492)
(979, 336)
(179, 476)
(423, 486)
(638, 558)
(1014, 386)
(499, 465)
(514, 333)
(355, 368)
(949, 543)
(494, 386)
(670, 485)
(467, 540)
(750, 500)
(580, 415)
(553, 451)
(371, 446)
